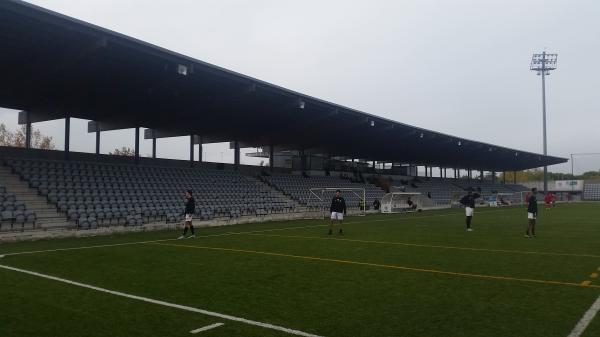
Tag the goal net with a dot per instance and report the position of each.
(507, 199)
(320, 199)
(400, 202)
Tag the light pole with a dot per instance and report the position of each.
(542, 64)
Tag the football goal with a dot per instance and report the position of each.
(507, 199)
(320, 199)
(400, 202)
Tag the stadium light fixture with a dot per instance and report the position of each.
(301, 104)
(372, 123)
(542, 64)
(182, 70)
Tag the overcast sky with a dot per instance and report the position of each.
(459, 67)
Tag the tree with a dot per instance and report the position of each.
(123, 151)
(591, 175)
(538, 175)
(17, 138)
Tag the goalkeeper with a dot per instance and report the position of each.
(338, 210)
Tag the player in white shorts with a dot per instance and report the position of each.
(190, 208)
(532, 209)
(338, 210)
(469, 202)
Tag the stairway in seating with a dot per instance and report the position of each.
(277, 192)
(47, 216)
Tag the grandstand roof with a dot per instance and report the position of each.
(53, 65)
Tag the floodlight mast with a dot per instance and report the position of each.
(542, 64)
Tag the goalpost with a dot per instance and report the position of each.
(320, 198)
(507, 199)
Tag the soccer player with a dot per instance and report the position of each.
(338, 210)
(469, 202)
(548, 200)
(532, 209)
(411, 204)
(190, 207)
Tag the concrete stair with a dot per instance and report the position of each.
(278, 192)
(47, 216)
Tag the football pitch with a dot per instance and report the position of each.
(418, 274)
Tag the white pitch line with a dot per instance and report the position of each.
(85, 247)
(163, 303)
(586, 319)
(224, 234)
(208, 327)
(423, 216)
(151, 241)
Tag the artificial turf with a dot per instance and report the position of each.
(417, 274)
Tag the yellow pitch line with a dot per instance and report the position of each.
(587, 284)
(429, 246)
(387, 266)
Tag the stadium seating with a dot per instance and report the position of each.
(95, 194)
(98, 194)
(591, 191)
(442, 191)
(14, 212)
(448, 191)
(298, 188)
(517, 187)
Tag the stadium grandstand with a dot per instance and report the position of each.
(77, 70)
(272, 250)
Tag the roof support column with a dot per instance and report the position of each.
(153, 145)
(494, 177)
(236, 155)
(200, 149)
(191, 150)
(504, 177)
(480, 174)
(27, 130)
(271, 157)
(98, 141)
(430, 171)
(302, 161)
(67, 134)
(441, 174)
(515, 177)
(426, 171)
(137, 145)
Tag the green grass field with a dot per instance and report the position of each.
(416, 274)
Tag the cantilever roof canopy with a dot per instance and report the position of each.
(55, 66)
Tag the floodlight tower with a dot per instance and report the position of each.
(542, 64)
